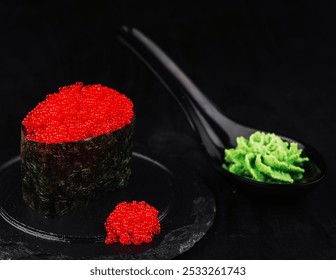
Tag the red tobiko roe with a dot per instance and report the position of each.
(132, 222)
(78, 112)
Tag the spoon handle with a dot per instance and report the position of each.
(203, 116)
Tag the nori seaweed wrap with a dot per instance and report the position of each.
(60, 176)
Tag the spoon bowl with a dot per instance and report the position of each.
(215, 130)
(312, 176)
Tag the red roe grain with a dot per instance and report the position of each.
(78, 112)
(133, 222)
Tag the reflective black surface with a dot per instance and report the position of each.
(186, 207)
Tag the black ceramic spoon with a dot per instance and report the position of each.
(216, 131)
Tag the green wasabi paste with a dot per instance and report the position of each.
(265, 157)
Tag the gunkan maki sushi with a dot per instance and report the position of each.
(76, 146)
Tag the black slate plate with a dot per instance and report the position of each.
(187, 211)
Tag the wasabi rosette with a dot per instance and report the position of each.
(265, 157)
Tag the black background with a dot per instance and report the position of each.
(267, 64)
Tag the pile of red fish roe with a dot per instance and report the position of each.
(132, 222)
(78, 112)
